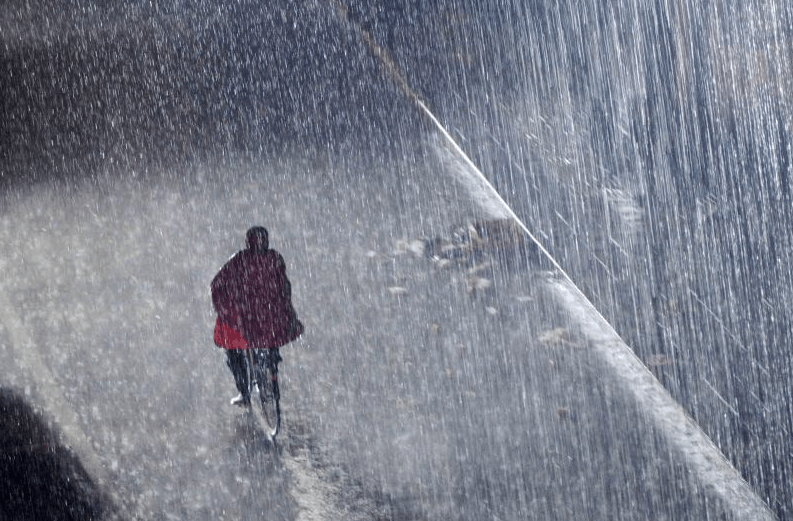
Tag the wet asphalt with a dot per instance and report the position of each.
(410, 396)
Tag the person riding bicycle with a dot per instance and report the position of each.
(253, 299)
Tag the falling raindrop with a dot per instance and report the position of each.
(430, 173)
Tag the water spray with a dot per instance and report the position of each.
(696, 448)
(393, 70)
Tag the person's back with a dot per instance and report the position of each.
(267, 318)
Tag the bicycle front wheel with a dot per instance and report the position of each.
(269, 395)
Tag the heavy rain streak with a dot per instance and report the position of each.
(541, 251)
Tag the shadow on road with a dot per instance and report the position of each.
(39, 478)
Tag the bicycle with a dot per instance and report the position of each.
(263, 374)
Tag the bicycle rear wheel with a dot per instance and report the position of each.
(269, 393)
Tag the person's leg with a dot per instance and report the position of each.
(238, 365)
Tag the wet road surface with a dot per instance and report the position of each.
(410, 396)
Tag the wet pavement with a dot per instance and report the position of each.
(414, 394)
